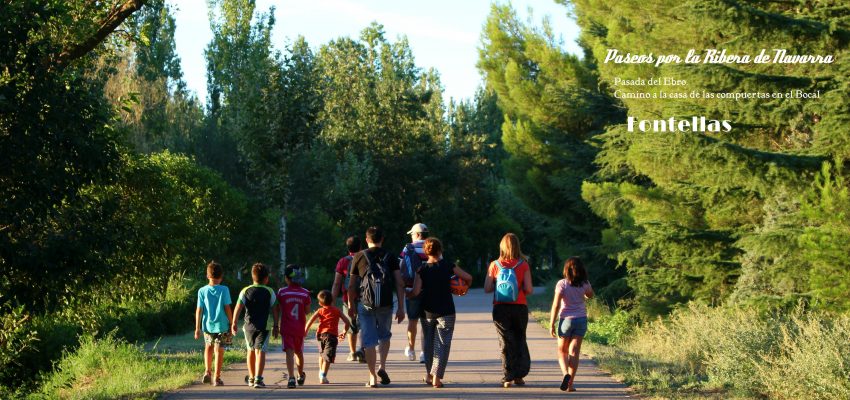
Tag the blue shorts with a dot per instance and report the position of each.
(413, 307)
(572, 327)
(375, 325)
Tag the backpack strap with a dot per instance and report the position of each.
(499, 264)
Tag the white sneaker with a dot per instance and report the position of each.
(421, 357)
(409, 353)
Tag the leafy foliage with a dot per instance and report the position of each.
(553, 110)
(712, 216)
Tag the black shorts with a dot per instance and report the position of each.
(327, 347)
(256, 339)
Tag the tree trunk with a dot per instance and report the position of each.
(282, 227)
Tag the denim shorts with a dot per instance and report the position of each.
(413, 307)
(375, 325)
(572, 327)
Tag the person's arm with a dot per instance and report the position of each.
(588, 292)
(462, 274)
(236, 312)
(353, 283)
(417, 286)
(347, 325)
(553, 314)
(229, 313)
(527, 283)
(399, 292)
(199, 313)
(276, 317)
(310, 322)
(489, 281)
(337, 286)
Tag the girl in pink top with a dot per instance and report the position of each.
(568, 309)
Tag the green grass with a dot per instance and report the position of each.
(109, 368)
(726, 352)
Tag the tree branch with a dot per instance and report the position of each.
(111, 22)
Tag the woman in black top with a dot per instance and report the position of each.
(438, 322)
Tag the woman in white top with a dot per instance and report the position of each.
(569, 317)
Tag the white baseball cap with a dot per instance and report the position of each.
(418, 228)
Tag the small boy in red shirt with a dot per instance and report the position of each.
(328, 332)
(294, 303)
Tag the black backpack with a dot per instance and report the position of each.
(376, 287)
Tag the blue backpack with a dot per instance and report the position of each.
(411, 263)
(507, 285)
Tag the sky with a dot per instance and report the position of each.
(443, 34)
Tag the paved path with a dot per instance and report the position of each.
(473, 371)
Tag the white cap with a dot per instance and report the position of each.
(418, 228)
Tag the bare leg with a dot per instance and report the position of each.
(411, 333)
(324, 366)
(208, 358)
(299, 360)
(563, 354)
(370, 362)
(352, 342)
(251, 360)
(261, 362)
(575, 350)
(290, 362)
(385, 350)
(219, 359)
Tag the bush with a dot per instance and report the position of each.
(811, 360)
(15, 339)
(736, 351)
(610, 328)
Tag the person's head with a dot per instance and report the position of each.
(260, 273)
(214, 271)
(432, 247)
(375, 236)
(574, 271)
(418, 232)
(509, 248)
(353, 244)
(292, 275)
(325, 298)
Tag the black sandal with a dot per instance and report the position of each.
(385, 379)
(565, 383)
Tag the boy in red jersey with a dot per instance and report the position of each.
(328, 332)
(294, 303)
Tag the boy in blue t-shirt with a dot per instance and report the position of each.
(213, 315)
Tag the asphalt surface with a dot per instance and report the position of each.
(473, 371)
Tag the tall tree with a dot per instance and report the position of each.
(553, 109)
(701, 215)
(47, 160)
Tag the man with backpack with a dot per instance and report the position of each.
(374, 277)
(342, 274)
(412, 257)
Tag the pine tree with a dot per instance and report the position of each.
(553, 110)
(698, 215)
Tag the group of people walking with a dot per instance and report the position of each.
(369, 282)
